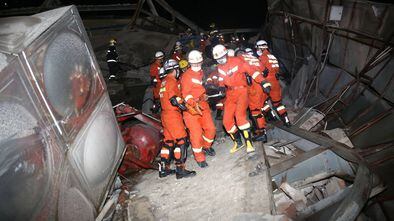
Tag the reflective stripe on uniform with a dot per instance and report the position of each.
(206, 139)
(234, 69)
(281, 107)
(197, 150)
(232, 130)
(244, 126)
(266, 107)
(255, 74)
(188, 97)
(196, 81)
(163, 151)
(163, 89)
(270, 56)
(221, 72)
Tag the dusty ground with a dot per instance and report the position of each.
(223, 191)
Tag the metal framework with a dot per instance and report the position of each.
(137, 9)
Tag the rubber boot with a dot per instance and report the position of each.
(248, 141)
(260, 136)
(210, 151)
(202, 164)
(181, 172)
(285, 120)
(164, 168)
(236, 137)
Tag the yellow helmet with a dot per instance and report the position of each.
(183, 64)
(112, 41)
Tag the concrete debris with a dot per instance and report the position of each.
(309, 119)
(286, 206)
(296, 195)
(334, 185)
(282, 150)
(339, 135)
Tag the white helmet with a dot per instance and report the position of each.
(178, 43)
(159, 55)
(231, 52)
(261, 44)
(170, 65)
(249, 51)
(219, 51)
(194, 57)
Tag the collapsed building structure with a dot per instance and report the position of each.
(334, 163)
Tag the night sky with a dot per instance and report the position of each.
(225, 13)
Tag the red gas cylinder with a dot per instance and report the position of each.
(142, 146)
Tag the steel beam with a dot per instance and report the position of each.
(179, 16)
(81, 8)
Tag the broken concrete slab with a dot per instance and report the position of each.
(339, 135)
(296, 195)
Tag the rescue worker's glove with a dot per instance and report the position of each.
(249, 79)
(265, 72)
(176, 102)
(156, 106)
(153, 82)
(266, 86)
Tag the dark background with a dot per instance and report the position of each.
(225, 13)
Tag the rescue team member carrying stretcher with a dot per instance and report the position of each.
(175, 136)
(232, 70)
(198, 118)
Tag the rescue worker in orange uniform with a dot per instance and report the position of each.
(256, 97)
(175, 136)
(155, 80)
(198, 118)
(233, 70)
(177, 55)
(272, 86)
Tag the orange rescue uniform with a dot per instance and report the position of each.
(271, 63)
(154, 74)
(236, 102)
(171, 117)
(201, 127)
